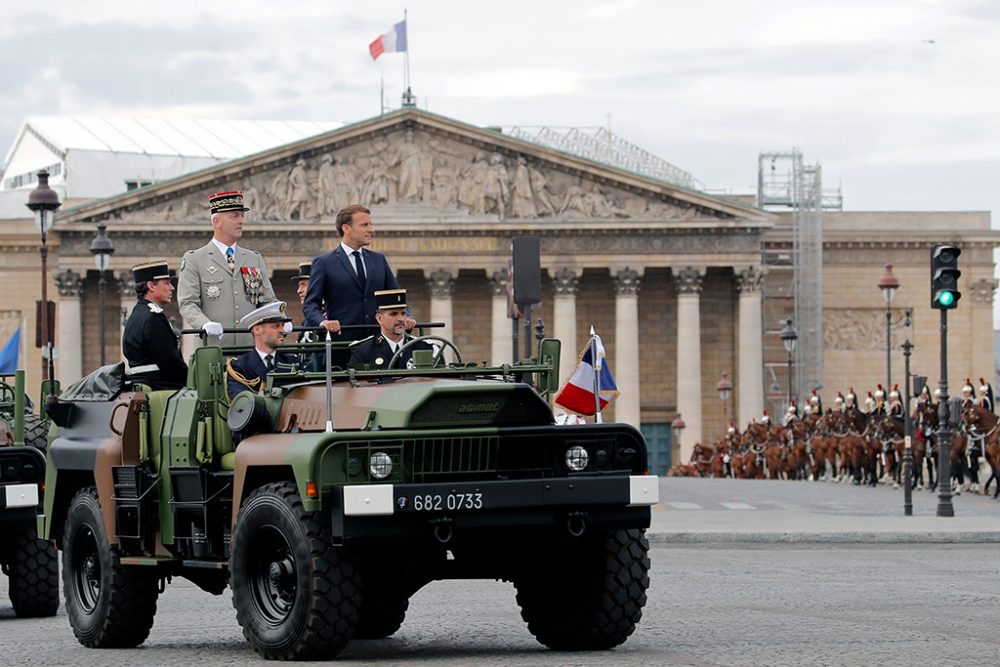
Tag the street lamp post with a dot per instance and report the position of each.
(102, 249)
(676, 426)
(907, 451)
(888, 284)
(725, 389)
(788, 336)
(44, 202)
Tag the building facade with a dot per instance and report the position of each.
(681, 285)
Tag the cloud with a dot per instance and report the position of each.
(612, 9)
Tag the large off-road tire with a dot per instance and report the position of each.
(588, 597)
(383, 607)
(36, 431)
(109, 605)
(297, 596)
(34, 575)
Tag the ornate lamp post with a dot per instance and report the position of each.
(907, 451)
(888, 284)
(44, 202)
(676, 426)
(102, 249)
(788, 336)
(725, 389)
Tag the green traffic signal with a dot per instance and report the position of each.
(946, 299)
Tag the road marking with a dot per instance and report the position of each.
(738, 506)
(685, 506)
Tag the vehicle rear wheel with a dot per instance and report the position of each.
(588, 597)
(109, 605)
(34, 575)
(296, 595)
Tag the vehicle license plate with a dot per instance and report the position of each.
(442, 502)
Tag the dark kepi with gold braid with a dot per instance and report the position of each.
(305, 271)
(390, 299)
(231, 200)
(146, 271)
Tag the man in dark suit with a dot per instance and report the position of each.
(148, 342)
(248, 372)
(377, 351)
(343, 282)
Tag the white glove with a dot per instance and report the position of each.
(287, 328)
(213, 329)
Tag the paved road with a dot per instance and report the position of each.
(708, 605)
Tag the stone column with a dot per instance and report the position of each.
(501, 349)
(750, 347)
(981, 331)
(688, 281)
(125, 284)
(628, 404)
(70, 320)
(565, 283)
(442, 284)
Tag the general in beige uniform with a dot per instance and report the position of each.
(214, 292)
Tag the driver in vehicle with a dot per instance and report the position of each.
(376, 351)
(269, 326)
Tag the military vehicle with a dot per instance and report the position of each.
(328, 499)
(30, 564)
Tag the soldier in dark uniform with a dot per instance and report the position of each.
(310, 361)
(376, 351)
(269, 326)
(149, 342)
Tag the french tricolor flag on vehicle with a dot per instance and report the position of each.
(577, 395)
(393, 41)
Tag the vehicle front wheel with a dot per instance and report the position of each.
(297, 596)
(588, 597)
(109, 605)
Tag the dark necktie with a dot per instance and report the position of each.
(360, 268)
(269, 363)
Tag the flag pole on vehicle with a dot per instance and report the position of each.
(598, 360)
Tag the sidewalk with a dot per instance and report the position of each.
(802, 512)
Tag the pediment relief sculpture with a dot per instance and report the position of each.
(418, 171)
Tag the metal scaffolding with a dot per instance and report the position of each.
(602, 145)
(784, 182)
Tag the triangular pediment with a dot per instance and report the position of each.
(412, 165)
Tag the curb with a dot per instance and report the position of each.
(858, 537)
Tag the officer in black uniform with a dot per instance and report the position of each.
(149, 342)
(310, 361)
(269, 326)
(376, 351)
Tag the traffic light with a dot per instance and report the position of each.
(944, 277)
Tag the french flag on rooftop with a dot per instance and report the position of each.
(577, 395)
(393, 41)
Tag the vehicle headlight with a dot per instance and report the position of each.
(380, 465)
(577, 458)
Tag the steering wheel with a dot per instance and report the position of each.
(438, 356)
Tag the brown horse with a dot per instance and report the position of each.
(982, 426)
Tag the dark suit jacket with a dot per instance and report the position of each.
(376, 352)
(334, 282)
(251, 367)
(148, 339)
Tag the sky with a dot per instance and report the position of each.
(899, 101)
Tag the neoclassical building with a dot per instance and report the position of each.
(681, 285)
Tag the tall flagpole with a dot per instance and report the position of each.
(408, 100)
(596, 363)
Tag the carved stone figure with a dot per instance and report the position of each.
(410, 182)
(471, 183)
(278, 205)
(575, 202)
(496, 191)
(543, 195)
(298, 191)
(326, 187)
(443, 185)
(376, 183)
(522, 204)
